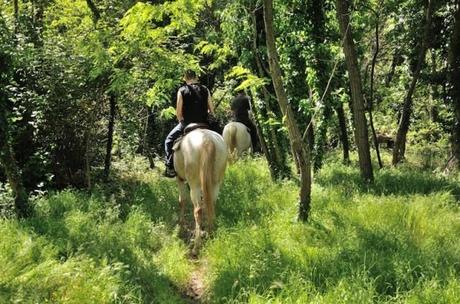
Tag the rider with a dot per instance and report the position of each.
(240, 109)
(194, 103)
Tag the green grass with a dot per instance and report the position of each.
(393, 242)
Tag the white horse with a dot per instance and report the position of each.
(236, 136)
(200, 160)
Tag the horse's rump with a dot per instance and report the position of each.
(237, 137)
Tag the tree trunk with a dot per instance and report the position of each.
(149, 126)
(295, 136)
(94, 10)
(16, 10)
(454, 64)
(263, 144)
(275, 155)
(361, 132)
(397, 60)
(343, 133)
(12, 172)
(323, 69)
(87, 173)
(404, 122)
(108, 151)
(370, 105)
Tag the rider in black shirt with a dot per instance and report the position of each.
(194, 103)
(240, 108)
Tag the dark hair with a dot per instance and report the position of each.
(189, 74)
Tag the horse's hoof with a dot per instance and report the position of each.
(194, 252)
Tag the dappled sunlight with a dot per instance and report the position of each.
(361, 243)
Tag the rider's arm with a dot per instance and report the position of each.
(179, 106)
(210, 105)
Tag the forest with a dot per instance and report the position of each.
(353, 197)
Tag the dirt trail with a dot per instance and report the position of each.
(196, 287)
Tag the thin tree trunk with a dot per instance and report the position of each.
(371, 99)
(394, 63)
(319, 20)
(343, 133)
(280, 156)
(7, 157)
(434, 92)
(263, 143)
(149, 126)
(16, 10)
(87, 160)
(94, 10)
(295, 136)
(361, 132)
(275, 154)
(111, 125)
(454, 63)
(404, 122)
(12, 172)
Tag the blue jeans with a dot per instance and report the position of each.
(169, 143)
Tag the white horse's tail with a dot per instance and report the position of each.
(207, 177)
(230, 138)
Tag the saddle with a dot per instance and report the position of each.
(193, 126)
(189, 128)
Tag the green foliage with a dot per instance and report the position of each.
(393, 241)
(248, 80)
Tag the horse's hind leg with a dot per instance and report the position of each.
(210, 209)
(183, 197)
(195, 192)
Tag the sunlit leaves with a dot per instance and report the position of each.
(248, 80)
(168, 113)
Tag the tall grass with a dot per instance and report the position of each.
(104, 247)
(395, 241)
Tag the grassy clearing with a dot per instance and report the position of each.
(115, 245)
(393, 242)
(396, 241)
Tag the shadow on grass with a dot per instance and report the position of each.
(387, 181)
(140, 276)
(126, 221)
(380, 262)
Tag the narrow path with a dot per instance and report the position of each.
(196, 287)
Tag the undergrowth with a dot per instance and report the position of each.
(395, 241)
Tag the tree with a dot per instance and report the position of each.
(404, 122)
(7, 159)
(360, 124)
(273, 151)
(300, 151)
(370, 102)
(454, 71)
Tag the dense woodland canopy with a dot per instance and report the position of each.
(85, 81)
(337, 87)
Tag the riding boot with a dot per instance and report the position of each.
(169, 143)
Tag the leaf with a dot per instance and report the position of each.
(168, 113)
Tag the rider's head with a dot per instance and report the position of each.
(189, 75)
(240, 92)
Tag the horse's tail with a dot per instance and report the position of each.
(233, 134)
(207, 176)
(233, 148)
(230, 137)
